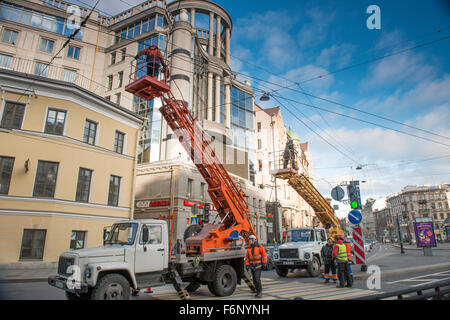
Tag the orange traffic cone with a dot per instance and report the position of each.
(148, 290)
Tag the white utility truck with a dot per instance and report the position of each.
(300, 250)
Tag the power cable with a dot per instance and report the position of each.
(365, 121)
(71, 37)
(346, 68)
(326, 141)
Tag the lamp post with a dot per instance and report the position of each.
(277, 218)
(400, 236)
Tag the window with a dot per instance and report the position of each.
(118, 142)
(90, 132)
(6, 168)
(113, 58)
(123, 53)
(160, 21)
(189, 187)
(108, 98)
(77, 240)
(56, 120)
(120, 79)
(260, 165)
(10, 36)
(47, 45)
(259, 144)
(259, 126)
(13, 115)
(84, 185)
(38, 20)
(154, 235)
(118, 95)
(110, 82)
(114, 189)
(73, 52)
(33, 242)
(41, 69)
(5, 61)
(45, 183)
(202, 191)
(70, 75)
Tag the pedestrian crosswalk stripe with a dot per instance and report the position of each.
(347, 294)
(272, 290)
(307, 294)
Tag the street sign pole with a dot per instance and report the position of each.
(400, 236)
(358, 241)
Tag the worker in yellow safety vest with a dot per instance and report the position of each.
(340, 255)
(256, 261)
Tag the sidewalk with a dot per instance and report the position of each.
(394, 263)
(24, 272)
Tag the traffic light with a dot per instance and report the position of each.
(194, 210)
(206, 213)
(354, 195)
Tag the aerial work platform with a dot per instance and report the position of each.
(301, 183)
(148, 88)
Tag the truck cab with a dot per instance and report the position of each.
(134, 255)
(300, 250)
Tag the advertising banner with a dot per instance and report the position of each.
(425, 234)
(447, 230)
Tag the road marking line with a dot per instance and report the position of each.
(310, 293)
(429, 282)
(346, 294)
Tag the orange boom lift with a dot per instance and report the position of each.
(150, 81)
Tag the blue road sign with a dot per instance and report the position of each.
(355, 217)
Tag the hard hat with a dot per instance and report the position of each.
(252, 237)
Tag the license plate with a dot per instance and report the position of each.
(59, 284)
(288, 262)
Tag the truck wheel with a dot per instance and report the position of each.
(225, 281)
(77, 297)
(192, 231)
(211, 288)
(193, 286)
(112, 287)
(282, 271)
(314, 267)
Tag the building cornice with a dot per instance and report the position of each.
(18, 82)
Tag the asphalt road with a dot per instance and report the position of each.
(381, 254)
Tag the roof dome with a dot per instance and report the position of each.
(291, 134)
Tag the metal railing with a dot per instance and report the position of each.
(41, 68)
(288, 159)
(439, 290)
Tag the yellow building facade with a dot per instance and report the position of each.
(67, 167)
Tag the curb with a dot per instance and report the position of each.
(390, 273)
(417, 249)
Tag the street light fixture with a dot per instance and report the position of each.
(265, 97)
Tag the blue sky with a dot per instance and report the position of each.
(300, 40)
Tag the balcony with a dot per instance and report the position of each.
(51, 72)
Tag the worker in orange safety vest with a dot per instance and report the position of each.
(154, 60)
(256, 261)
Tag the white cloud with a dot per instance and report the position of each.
(404, 69)
(383, 149)
(338, 55)
(271, 32)
(316, 25)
